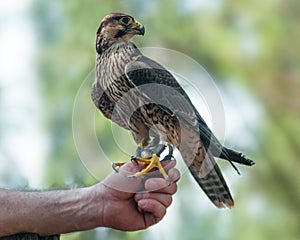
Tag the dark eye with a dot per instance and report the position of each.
(126, 20)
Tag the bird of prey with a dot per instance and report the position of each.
(143, 97)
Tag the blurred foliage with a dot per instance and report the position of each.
(254, 43)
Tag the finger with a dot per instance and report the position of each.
(164, 199)
(161, 185)
(168, 164)
(155, 211)
(174, 174)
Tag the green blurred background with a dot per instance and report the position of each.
(252, 50)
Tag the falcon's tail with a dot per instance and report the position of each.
(204, 169)
(212, 182)
(231, 155)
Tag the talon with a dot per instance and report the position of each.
(168, 157)
(161, 150)
(116, 166)
(170, 149)
(134, 159)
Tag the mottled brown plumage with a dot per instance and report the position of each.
(142, 96)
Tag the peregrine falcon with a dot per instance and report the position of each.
(143, 97)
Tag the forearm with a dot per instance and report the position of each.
(48, 213)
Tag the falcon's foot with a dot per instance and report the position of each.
(152, 162)
(116, 166)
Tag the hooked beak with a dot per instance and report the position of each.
(138, 28)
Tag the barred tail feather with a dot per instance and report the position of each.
(204, 169)
(212, 182)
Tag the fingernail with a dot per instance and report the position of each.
(175, 175)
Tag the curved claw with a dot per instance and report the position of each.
(170, 154)
(116, 166)
(170, 149)
(134, 159)
(113, 166)
(168, 157)
(161, 150)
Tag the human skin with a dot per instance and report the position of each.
(118, 202)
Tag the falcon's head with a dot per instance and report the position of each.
(115, 28)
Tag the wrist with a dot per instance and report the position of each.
(96, 199)
(69, 211)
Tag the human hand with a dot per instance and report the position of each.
(131, 204)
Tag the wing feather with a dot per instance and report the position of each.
(160, 87)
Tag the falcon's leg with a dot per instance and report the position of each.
(153, 161)
(141, 152)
